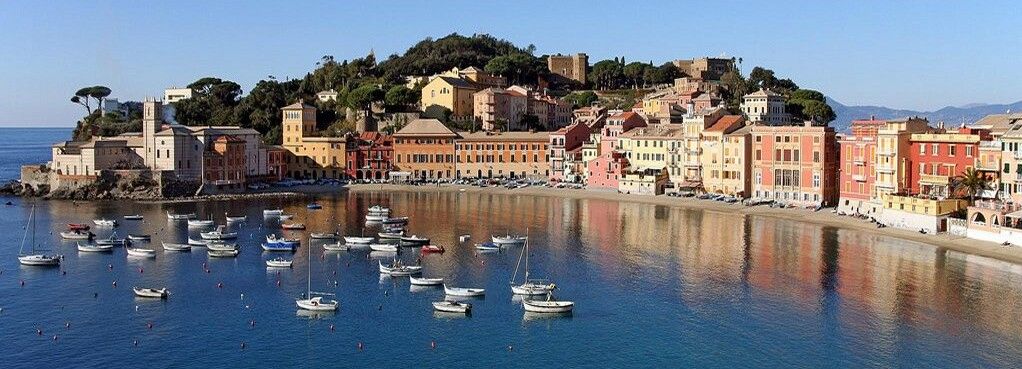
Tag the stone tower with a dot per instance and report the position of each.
(152, 121)
(299, 121)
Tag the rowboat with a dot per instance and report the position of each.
(414, 240)
(139, 237)
(219, 234)
(339, 246)
(464, 292)
(140, 252)
(105, 222)
(452, 307)
(396, 269)
(376, 217)
(352, 240)
(426, 281)
(396, 221)
(432, 249)
(133, 217)
(508, 239)
(487, 246)
(94, 248)
(222, 253)
(176, 247)
(293, 226)
(235, 218)
(323, 236)
(112, 240)
(172, 216)
(273, 212)
(547, 306)
(221, 246)
(278, 247)
(201, 222)
(279, 263)
(151, 292)
(377, 209)
(194, 242)
(76, 235)
(386, 247)
(391, 235)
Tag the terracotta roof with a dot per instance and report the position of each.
(626, 115)
(229, 138)
(425, 127)
(299, 105)
(725, 123)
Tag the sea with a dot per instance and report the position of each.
(653, 286)
(27, 146)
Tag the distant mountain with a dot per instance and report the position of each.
(949, 115)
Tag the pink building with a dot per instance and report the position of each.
(858, 173)
(604, 172)
(795, 164)
(615, 126)
(565, 142)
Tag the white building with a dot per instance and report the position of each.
(765, 106)
(173, 94)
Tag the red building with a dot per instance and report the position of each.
(795, 164)
(225, 162)
(369, 156)
(858, 173)
(275, 162)
(936, 158)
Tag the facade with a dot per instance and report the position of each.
(615, 126)
(710, 69)
(936, 158)
(573, 67)
(452, 93)
(694, 124)
(499, 109)
(310, 156)
(723, 162)
(765, 106)
(604, 172)
(654, 147)
(173, 94)
(592, 116)
(424, 149)
(925, 214)
(503, 154)
(369, 156)
(647, 181)
(892, 154)
(225, 164)
(857, 180)
(795, 164)
(328, 95)
(565, 149)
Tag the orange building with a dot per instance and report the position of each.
(225, 163)
(424, 149)
(795, 164)
(503, 154)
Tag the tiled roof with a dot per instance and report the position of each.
(299, 105)
(425, 127)
(505, 136)
(457, 82)
(725, 122)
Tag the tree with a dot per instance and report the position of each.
(401, 97)
(581, 98)
(518, 68)
(810, 105)
(364, 96)
(82, 96)
(665, 73)
(212, 103)
(969, 183)
(437, 112)
(607, 74)
(634, 73)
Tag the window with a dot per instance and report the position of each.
(922, 149)
(816, 180)
(968, 151)
(951, 150)
(936, 149)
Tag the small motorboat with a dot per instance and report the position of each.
(280, 240)
(95, 248)
(385, 247)
(172, 216)
(133, 217)
(414, 240)
(273, 212)
(323, 236)
(139, 237)
(293, 226)
(396, 221)
(77, 235)
(317, 304)
(353, 240)
(397, 269)
(290, 247)
(219, 234)
(194, 242)
(313, 206)
(279, 263)
(487, 246)
(201, 223)
(105, 222)
(285, 216)
(392, 235)
(80, 227)
(151, 292)
(112, 240)
(141, 252)
(222, 253)
(221, 246)
(426, 281)
(508, 240)
(235, 218)
(377, 209)
(452, 307)
(426, 249)
(464, 292)
(548, 306)
(176, 247)
(339, 246)
(376, 217)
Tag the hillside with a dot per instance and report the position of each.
(950, 115)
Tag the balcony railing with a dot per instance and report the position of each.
(858, 160)
(885, 169)
(934, 179)
(858, 178)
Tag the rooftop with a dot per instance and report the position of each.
(425, 127)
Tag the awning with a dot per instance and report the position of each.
(1015, 214)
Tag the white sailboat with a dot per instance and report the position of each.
(315, 303)
(33, 258)
(167, 246)
(397, 269)
(141, 252)
(201, 222)
(509, 239)
(279, 263)
(529, 287)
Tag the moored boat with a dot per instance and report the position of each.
(222, 253)
(151, 292)
(432, 249)
(378, 209)
(311, 302)
(414, 240)
(314, 206)
(338, 246)
(272, 238)
(391, 235)
(219, 234)
(396, 221)
(397, 269)
(139, 237)
(235, 218)
(94, 248)
(323, 236)
(452, 307)
(529, 287)
(176, 247)
(548, 306)
(508, 239)
(376, 217)
(77, 235)
(278, 247)
(172, 216)
(194, 242)
(133, 217)
(386, 247)
(293, 226)
(487, 246)
(273, 212)
(201, 223)
(464, 292)
(105, 222)
(112, 240)
(279, 263)
(353, 240)
(425, 281)
(141, 252)
(221, 246)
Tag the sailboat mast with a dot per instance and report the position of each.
(526, 256)
(309, 281)
(24, 238)
(31, 219)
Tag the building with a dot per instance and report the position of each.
(310, 156)
(857, 180)
(424, 149)
(765, 106)
(604, 172)
(738, 182)
(615, 126)
(892, 154)
(451, 93)
(500, 109)
(925, 214)
(709, 69)
(723, 161)
(572, 67)
(224, 164)
(936, 158)
(174, 94)
(592, 116)
(654, 147)
(328, 95)
(694, 123)
(565, 150)
(645, 181)
(369, 156)
(795, 164)
(515, 155)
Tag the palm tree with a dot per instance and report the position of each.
(970, 182)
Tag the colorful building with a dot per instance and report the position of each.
(370, 156)
(858, 172)
(936, 158)
(656, 147)
(503, 155)
(766, 107)
(451, 93)
(424, 149)
(310, 156)
(565, 150)
(604, 172)
(723, 163)
(499, 109)
(892, 154)
(795, 164)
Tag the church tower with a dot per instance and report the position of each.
(299, 121)
(152, 122)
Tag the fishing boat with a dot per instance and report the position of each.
(221, 246)
(176, 247)
(452, 307)
(281, 240)
(76, 235)
(139, 237)
(427, 249)
(151, 292)
(314, 301)
(376, 217)
(529, 287)
(338, 246)
(391, 235)
(112, 240)
(219, 234)
(279, 247)
(426, 281)
(353, 240)
(94, 248)
(194, 242)
(172, 216)
(141, 252)
(323, 236)
(548, 306)
(293, 226)
(279, 263)
(385, 247)
(414, 240)
(105, 222)
(235, 218)
(80, 227)
(34, 259)
(201, 222)
(487, 246)
(396, 221)
(396, 269)
(273, 212)
(463, 292)
(133, 217)
(508, 239)
(313, 206)
(222, 253)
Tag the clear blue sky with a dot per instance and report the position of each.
(901, 54)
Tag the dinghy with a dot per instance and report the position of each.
(133, 217)
(194, 242)
(463, 292)
(176, 247)
(172, 216)
(452, 307)
(285, 216)
(112, 240)
(279, 263)
(385, 247)
(398, 270)
(377, 209)
(222, 253)
(293, 226)
(76, 235)
(352, 240)
(94, 248)
(289, 247)
(280, 240)
(548, 306)
(339, 246)
(201, 223)
(323, 236)
(151, 292)
(221, 246)
(487, 246)
(391, 235)
(219, 234)
(235, 218)
(399, 221)
(428, 249)
(313, 206)
(141, 253)
(376, 217)
(105, 222)
(273, 212)
(426, 281)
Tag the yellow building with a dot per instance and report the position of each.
(724, 157)
(658, 147)
(310, 157)
(647, 181)
(455, 94)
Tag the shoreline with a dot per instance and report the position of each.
(942, 241)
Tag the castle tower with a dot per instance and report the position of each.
(152, 122)
(299, 121)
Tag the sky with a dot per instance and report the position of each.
(920, 55)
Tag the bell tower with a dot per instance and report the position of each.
(152, 121)
(299, 121)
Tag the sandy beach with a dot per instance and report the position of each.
(942, 241)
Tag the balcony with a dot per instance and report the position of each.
(858, 178)
(934, 179)
(888, 170)
(887, 153)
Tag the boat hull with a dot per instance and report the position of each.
(464, 292)
(317, 304)
(532, 289)
(39, 260)
(151, 293)
(452, 307)
(277, 247)
(176, 247)
(548, 307)
(426, 281)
